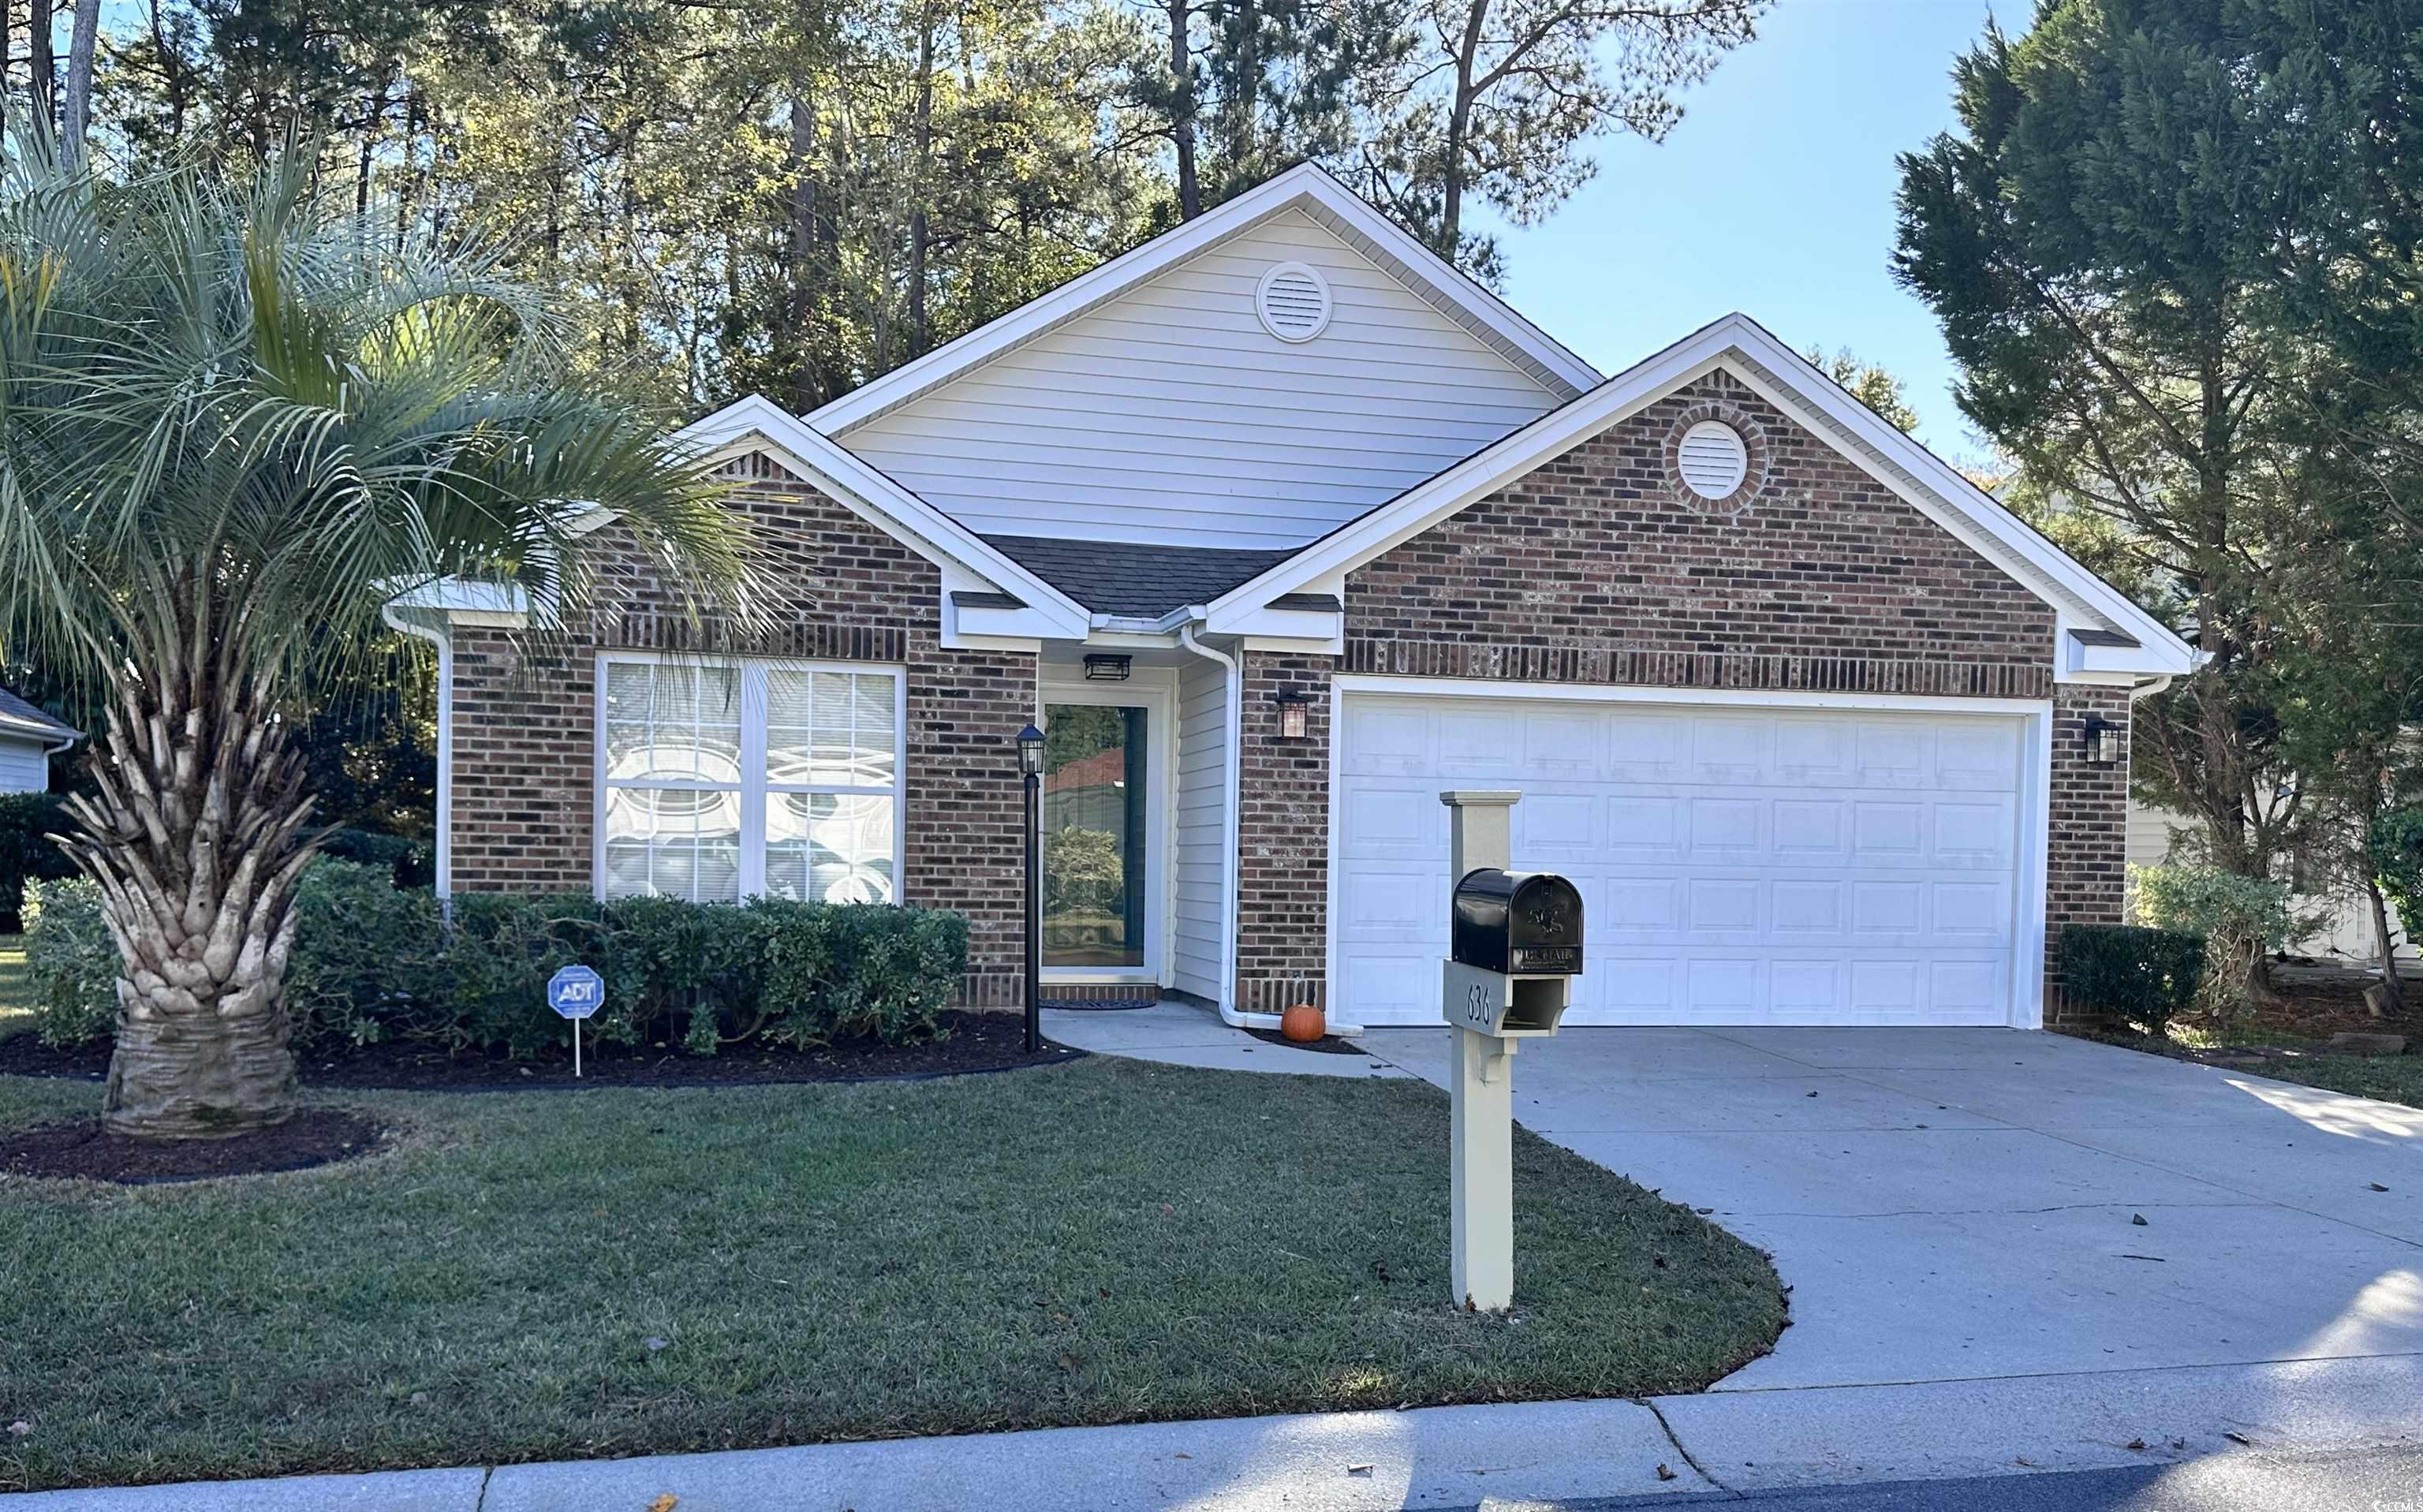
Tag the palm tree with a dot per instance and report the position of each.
(234, 420)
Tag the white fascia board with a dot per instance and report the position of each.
(458, 597)
(757, 423)
(1304, 186)
(1750, 352)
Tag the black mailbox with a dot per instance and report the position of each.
(1517, 923)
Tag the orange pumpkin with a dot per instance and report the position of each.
(1302, 1024)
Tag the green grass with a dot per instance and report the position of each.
(534, 1275)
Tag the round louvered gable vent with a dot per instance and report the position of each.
(1294, 302)
(1713, 459)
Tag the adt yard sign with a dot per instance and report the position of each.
(576, 991)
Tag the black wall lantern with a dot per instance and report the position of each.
(2102, 742)
(1030, 773)
(1104, 666)
(1295, 712)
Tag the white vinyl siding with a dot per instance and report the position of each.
(1202, 831)
(1172, 416)
(22, 768)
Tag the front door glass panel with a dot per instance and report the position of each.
(1093, 836)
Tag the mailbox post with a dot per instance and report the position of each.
(1515, 945)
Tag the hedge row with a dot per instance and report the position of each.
(2128, 972)
(373, 962)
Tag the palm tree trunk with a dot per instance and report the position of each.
(195, 837)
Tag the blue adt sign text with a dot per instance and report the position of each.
(576, 991)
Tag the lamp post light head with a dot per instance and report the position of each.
(1030, 751)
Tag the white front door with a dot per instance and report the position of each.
(1737, 865)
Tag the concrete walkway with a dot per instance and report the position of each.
(1173, 1033)
(1708, 1448)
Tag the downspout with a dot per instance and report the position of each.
(1235, 760)
(444, 862)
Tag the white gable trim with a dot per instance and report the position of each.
(1750, 353)
(1328, 202)
(757, 423)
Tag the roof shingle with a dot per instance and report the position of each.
(1121, 578)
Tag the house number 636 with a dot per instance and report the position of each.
(1476, 1003)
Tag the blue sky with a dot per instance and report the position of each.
(1774, 196)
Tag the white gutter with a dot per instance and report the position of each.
(444, 863)
(1232, 763)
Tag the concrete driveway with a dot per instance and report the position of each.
(1959, 1204)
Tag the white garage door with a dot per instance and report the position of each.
(1736, 866)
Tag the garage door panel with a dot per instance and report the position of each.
(1562, 830)
(1647, 747)
(1811, 829)
(1380, 822)
(1781, 866)
(1809, 906)
(1643, 827)
(1974, 834)
(1720, 906)
(1726, 829)
(1888, 833)
(1729, 750)
(1387, 738)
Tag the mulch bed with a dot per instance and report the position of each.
(1328, 1044)
(314, 1136)
(973, 1041)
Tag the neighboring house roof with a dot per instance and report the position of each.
(18, 717)
(1308, 188)
(1788, 380)
(1143, 582)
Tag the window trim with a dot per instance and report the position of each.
(755, 785)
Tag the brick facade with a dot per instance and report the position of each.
(2085, 865)
(1601, 567)
(525, 722)
(1283, 838)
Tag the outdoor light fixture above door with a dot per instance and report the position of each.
(2102, 742)
(1295, 712)
(1105, 666)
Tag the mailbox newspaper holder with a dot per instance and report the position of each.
(1514, 946)
(1514, 938)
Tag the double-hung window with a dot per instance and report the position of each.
(723, 780)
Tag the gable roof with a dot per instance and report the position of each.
(21, 717)
(869, 493)
(1784, 378)
(1308, 188)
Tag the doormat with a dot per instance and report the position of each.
(1099, 1005)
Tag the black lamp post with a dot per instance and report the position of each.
(1030, 771)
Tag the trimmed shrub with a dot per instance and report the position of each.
(25, 856)
(409, 863)
(2240, 920)
(375, 962)
(73, 963)
(2127, 971)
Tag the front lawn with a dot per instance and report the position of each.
(546, 1275)
(2389, 1078)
